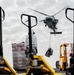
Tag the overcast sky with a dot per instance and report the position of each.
(14, 31)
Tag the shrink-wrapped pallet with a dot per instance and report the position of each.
(20, 61)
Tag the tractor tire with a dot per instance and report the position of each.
(60, 69)
(64, 65)
(57, 64)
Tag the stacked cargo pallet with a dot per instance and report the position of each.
(19, 57)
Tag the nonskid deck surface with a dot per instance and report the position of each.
(57, 71)
(21, 72)
(60, 72)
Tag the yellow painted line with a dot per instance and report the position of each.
(22, 74)
(59, 74)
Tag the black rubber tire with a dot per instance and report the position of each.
(57, 64)
(60, 69)
(64, 65)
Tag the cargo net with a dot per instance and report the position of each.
(49, 52)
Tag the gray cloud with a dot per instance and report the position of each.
(21, 3)
(7, 3)
(13, 28)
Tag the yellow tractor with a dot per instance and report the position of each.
(62, 64)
